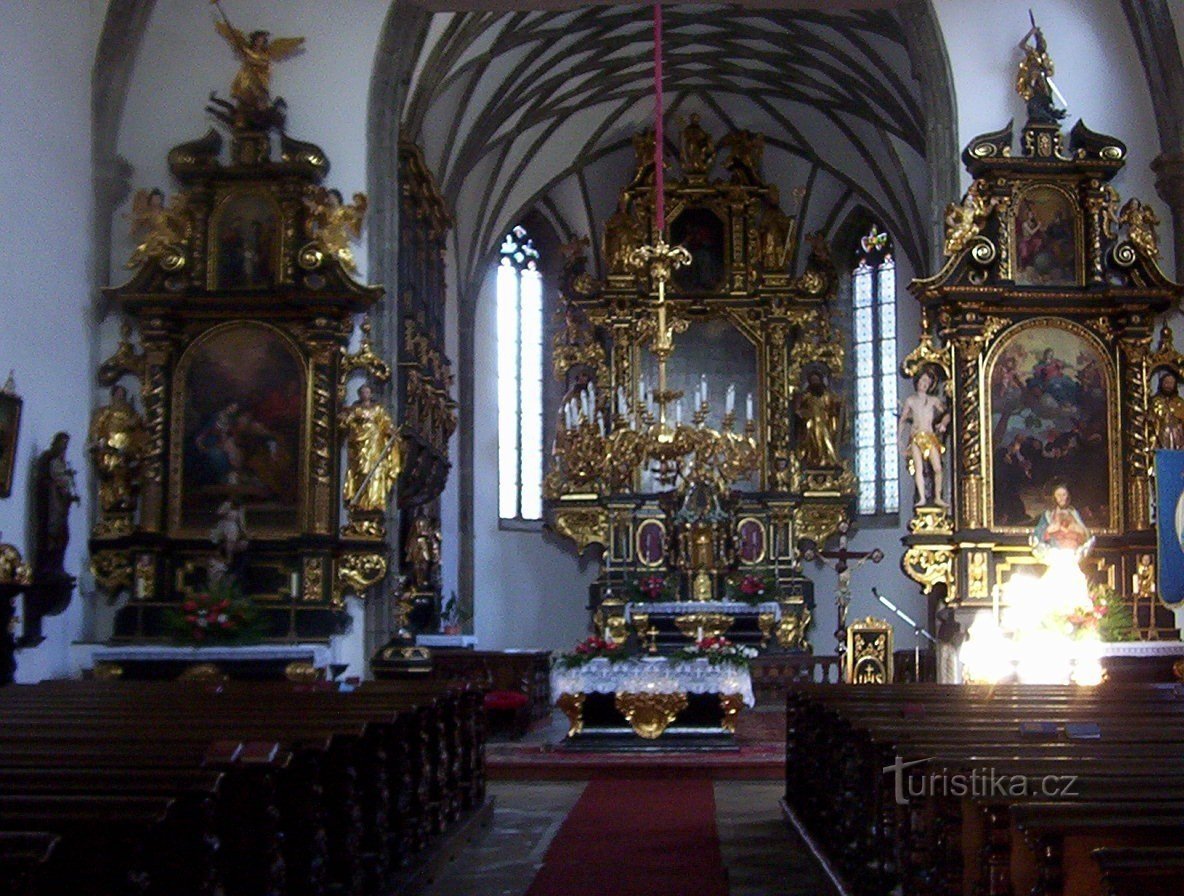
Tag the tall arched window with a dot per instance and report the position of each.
(873, 287)
(519, 379)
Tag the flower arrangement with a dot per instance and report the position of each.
(718, 651)
(751, 589)
(220, 615)
(590, 649)
(652, 588)
(1101, 613)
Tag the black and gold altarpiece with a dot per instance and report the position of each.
(1039, 329)
(236, 329)
(740, 490)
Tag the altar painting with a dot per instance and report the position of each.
(246, 242)
(240, 408)
(701, 232)
(1049, 401)
(1045, 230)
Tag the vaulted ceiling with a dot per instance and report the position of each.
(536, 109)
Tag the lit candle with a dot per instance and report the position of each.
(730, 399)
(748, 407)
(293, 583)
(678, 414)
(703, 388)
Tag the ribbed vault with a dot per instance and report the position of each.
(536, 109)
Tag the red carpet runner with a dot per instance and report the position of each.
(637, 838)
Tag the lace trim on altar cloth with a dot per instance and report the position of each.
(655, 676)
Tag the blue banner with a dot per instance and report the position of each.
(1169, 493)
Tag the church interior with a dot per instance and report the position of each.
(549, 448)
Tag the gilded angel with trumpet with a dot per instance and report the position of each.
(163, 230)
(332, 225)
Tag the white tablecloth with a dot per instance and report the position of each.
(684, 607)
(655, 675)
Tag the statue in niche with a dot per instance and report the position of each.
(1061, 527)
(55, 494)
(1166, 409)
(820, 413)
(332, 225)
(1141, 222)
(251, 88)
(374, 453)
(117, 441)
(621, 236)
(777, 233)
(820, 271)
(924, 418)
(1033, 81)
(745, 151)
(229, 536)
(697, 150)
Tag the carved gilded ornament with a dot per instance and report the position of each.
(584, 526)
(312, 584)
(868, 658)
(332, 226)
(164, 231)
(113, 570)
(977, 576)
(964, 221)
(817, 522)
(929, 566)
(13, 569)
(572, 706)
(356, 572)
(931, 519)
(649, 715)
(364, 358)
(1141, 221)
(730, 705)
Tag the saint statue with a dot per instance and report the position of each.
(644, 147)
(1141, 222)
(745, 152)
(777, 232)
(1033, 81)
(423, 551)
(1061, 527)
(923, 421)
(117, 441)
(55, 493)
(374, 453)
(229, 536)
(697, 150)
(1167, 414)
(621, 237)
(820, 412)
(256, 51)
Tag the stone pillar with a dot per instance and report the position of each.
(1169, 183)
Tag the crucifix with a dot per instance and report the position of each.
(844, 562)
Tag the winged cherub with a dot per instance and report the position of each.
(332, 225)
(161, 230)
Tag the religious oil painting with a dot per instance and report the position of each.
(651, 543)
(10, 423)
(1045, 243)
(239, 412)
(1051, 388)
(246, 242)
(700, 232)
(750, 540)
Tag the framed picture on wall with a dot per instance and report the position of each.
(10, 424)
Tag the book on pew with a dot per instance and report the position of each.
(1083, 731)
(1035, 730)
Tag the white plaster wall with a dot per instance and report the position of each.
(45, 296)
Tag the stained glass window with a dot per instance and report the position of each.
(519, 379)
(873, 332)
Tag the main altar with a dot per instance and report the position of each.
(699, 438)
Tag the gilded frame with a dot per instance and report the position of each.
(639, 551)
(1114, 433)
(1070, 203)
(179, 526)
(10, 427)
(764, 551)
(218, 255)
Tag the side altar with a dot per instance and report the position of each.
(700, 435)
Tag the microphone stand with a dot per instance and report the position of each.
(918, 630)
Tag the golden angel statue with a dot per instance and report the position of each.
(162, 230)
(965, 220)
(374, 453)
(256, 51)
(1033, 80)
(820, 412)
(117, 441)
(332, 225)
(1141, 222)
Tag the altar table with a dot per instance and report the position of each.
(654, 695)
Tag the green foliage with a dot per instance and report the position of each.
(220, 615)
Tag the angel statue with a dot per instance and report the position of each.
(374, 453)
(333, 225)
(251, 88)
(1141, 222)
(1033, 81)
(161, 230)
(965, 220)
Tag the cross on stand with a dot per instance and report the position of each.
(845, 562)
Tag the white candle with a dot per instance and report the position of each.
(678, 414)
(730, 399)
(748, 408)
(703, 388)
